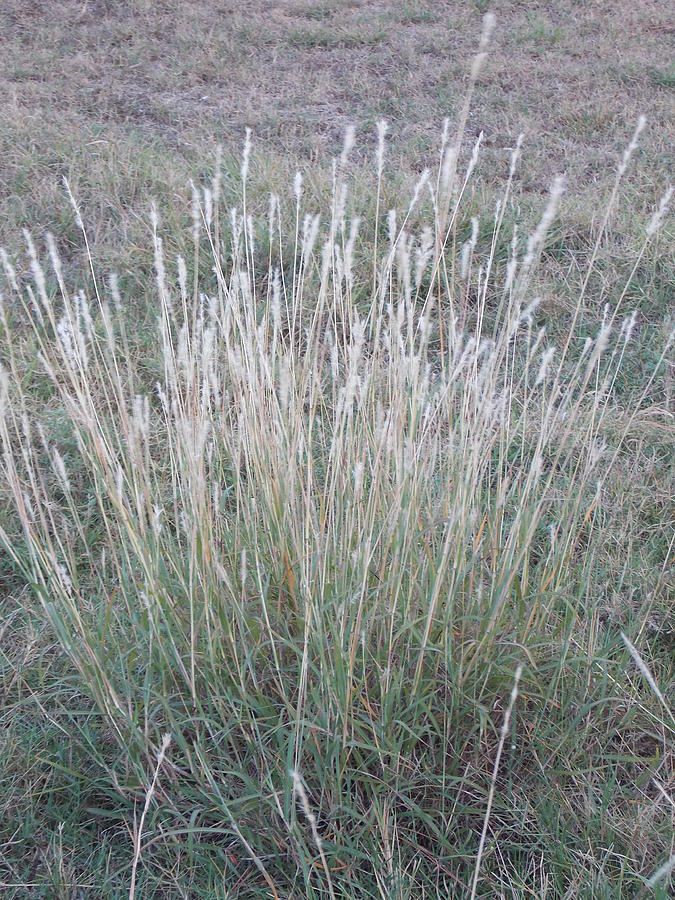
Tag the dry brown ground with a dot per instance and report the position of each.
(127, 98)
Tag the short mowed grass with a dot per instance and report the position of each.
(372, 518)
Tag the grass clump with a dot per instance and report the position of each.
(298, 556)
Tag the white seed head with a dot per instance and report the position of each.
(272, 213)
(448, 170)
(113, 283)
(347, 145)
(73, 203)
(196, 213)
(208, 206)
(632, 146)
(9, 270)
(489, 22)
(217, 175)
(628, 326)
(181, 268)
(36, 270)
(63, 577)
(64, 330)
(536, 239)
(310, 231)
(156, 522)
(468, 248)
(242, 568)
(546, 359)
(657, 219)
(474, 157)
(382, 129)
(246, 155)
(55, 259)
(423, 254)
(515, 155)
(391, 225)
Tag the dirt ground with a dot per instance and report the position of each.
(130, 97)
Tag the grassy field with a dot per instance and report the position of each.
(336, 544)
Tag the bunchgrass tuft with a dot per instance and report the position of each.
(314, 527)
